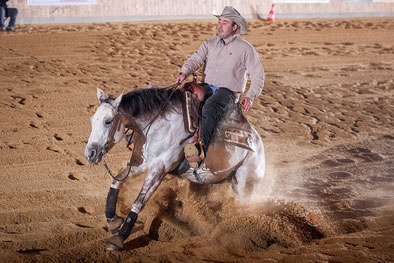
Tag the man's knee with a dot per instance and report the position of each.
(208, 107)
(210, 110)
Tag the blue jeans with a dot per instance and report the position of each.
(12, 13)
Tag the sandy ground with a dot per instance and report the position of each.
(325, 116)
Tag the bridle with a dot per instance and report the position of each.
(116, 124)
(114, 127)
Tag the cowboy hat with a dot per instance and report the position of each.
(232, 13)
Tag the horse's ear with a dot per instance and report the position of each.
(100, 95)
(117, 101)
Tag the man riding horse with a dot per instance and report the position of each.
(228, 58)
(237, 157)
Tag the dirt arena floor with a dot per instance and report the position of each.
(325, 117)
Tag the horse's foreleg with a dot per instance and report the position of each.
(113, 220)
(150, 185)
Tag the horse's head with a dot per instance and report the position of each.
(107, 128)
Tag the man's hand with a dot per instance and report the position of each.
(181, 77)
(246, 103)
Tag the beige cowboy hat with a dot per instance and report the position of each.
(232, 13)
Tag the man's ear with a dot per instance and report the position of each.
(235, 27)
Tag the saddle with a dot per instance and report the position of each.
(235, 129)
(194, 98)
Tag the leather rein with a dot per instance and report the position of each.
(130, 145)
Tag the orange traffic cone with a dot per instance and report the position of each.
(271, 15)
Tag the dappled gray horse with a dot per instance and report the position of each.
(236, 155)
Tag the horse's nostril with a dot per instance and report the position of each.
(92, 152)
(92, 155)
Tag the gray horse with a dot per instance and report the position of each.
(236, 155)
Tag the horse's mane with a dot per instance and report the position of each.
(149, 101)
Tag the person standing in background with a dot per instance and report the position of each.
(5, 12)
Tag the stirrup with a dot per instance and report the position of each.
(194, 155)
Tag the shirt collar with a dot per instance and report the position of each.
(231, 39)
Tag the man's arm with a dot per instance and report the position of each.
(256, 73)
(193, 63)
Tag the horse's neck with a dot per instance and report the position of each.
(130, 122)
(168, 126)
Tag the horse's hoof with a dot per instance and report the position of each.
(115, 243)
(114, 224)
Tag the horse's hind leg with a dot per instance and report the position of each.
(114, 221)
(249, 176)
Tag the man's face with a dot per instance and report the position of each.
(225, 27)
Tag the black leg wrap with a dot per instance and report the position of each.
(128, 225)
(110, 207)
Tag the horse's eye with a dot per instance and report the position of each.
(108, 122)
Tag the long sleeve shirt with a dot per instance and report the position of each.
(227, 65)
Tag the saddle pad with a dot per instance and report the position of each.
(238, 137)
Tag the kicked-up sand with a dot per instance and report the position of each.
(325, 117)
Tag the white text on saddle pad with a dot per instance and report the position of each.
(240, 138)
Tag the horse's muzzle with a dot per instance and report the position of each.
(93, 153)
